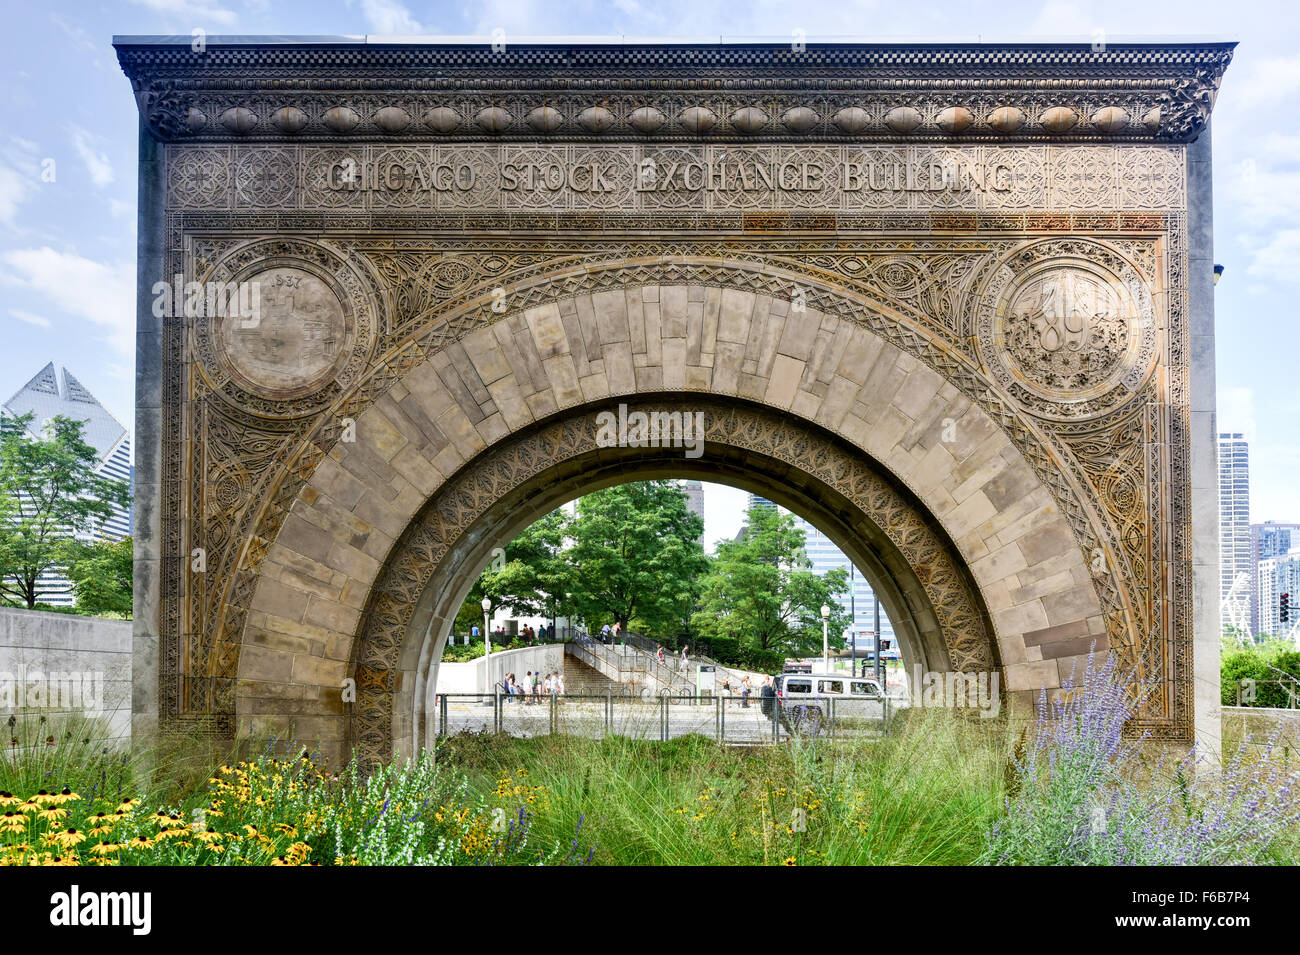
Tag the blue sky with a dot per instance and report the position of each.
(67, 246)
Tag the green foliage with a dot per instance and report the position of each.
(49, 492)
(635, 554)
(762, 594)
(745, 656)
(533, 576)
(101, 576)
(925, 797)
(1261, 663)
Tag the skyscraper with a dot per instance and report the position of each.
(694, 491)
(48, 395)
(1279, 575)
(1235, 566)
(1270, 539)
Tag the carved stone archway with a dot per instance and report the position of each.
(980, 274)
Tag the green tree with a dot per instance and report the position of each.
(635, 555)
(101, 576)
(50, 492)
(530, 575)
(762, 593)
(533, 576)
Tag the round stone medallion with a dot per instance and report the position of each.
(294, 337)
(1067, 331)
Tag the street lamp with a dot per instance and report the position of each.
(826, 643)
(487, 639)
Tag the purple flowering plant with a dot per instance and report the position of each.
(1078, 794)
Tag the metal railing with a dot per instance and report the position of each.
(726, 719)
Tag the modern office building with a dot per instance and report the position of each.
(1278, 576)
(50, 394)
(1270, 539)
(1236, 569)
(694, 491)
(860, 600)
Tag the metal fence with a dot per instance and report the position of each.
(727, 719)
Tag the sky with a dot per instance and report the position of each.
(67, 163)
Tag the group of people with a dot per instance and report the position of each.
(610, 634)
(534, 686)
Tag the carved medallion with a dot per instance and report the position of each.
(304, 327)
(1069, 335)
(292, 342)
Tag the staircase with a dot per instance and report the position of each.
(581, 679)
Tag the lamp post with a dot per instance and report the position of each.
(487, 637)
(826, 643)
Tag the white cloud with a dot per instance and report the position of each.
(390, 17)
(19, 176)
(194, 12)
(31, 318)
(1276, 259)
(97, 163)
(101, 294)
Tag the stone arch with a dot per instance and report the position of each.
(320, 584)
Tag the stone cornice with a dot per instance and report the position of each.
(299, 89)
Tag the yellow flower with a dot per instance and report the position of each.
(67, 838)
(51, 814)
(140, 842)
(67, 795)
(44, 798)
(127, 805)
(789, 861)
(8, 799)
(105, 848)
(208, 835)
(13, 822)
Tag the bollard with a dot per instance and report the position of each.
(442, 712)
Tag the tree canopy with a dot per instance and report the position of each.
(762, 592)
(49, 492)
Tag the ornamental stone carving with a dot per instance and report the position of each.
(861, 247)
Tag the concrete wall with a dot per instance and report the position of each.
(478, 676)
(92, 658)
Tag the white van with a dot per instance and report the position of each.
(805, 698)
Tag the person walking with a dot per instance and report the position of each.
(744, 693)
(685, 659)
(604, 634)
(537, 686)
(767, 693)
(660, 655)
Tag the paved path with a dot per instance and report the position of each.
(730, 721)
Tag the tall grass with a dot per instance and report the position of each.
(926, 797)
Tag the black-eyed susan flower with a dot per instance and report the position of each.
(67, 838)
(127, 805)
(8, 799)
(790, 861)
(64, 796)
(141, 842)
(105, 848)
(13, 822)
(51, 814)
(44, 798)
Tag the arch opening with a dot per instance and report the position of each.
(914, 567)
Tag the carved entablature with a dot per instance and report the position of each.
(340, 91)
(1013, 218)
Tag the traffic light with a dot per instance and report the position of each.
(1284, 608)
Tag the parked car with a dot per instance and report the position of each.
(804, 699)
